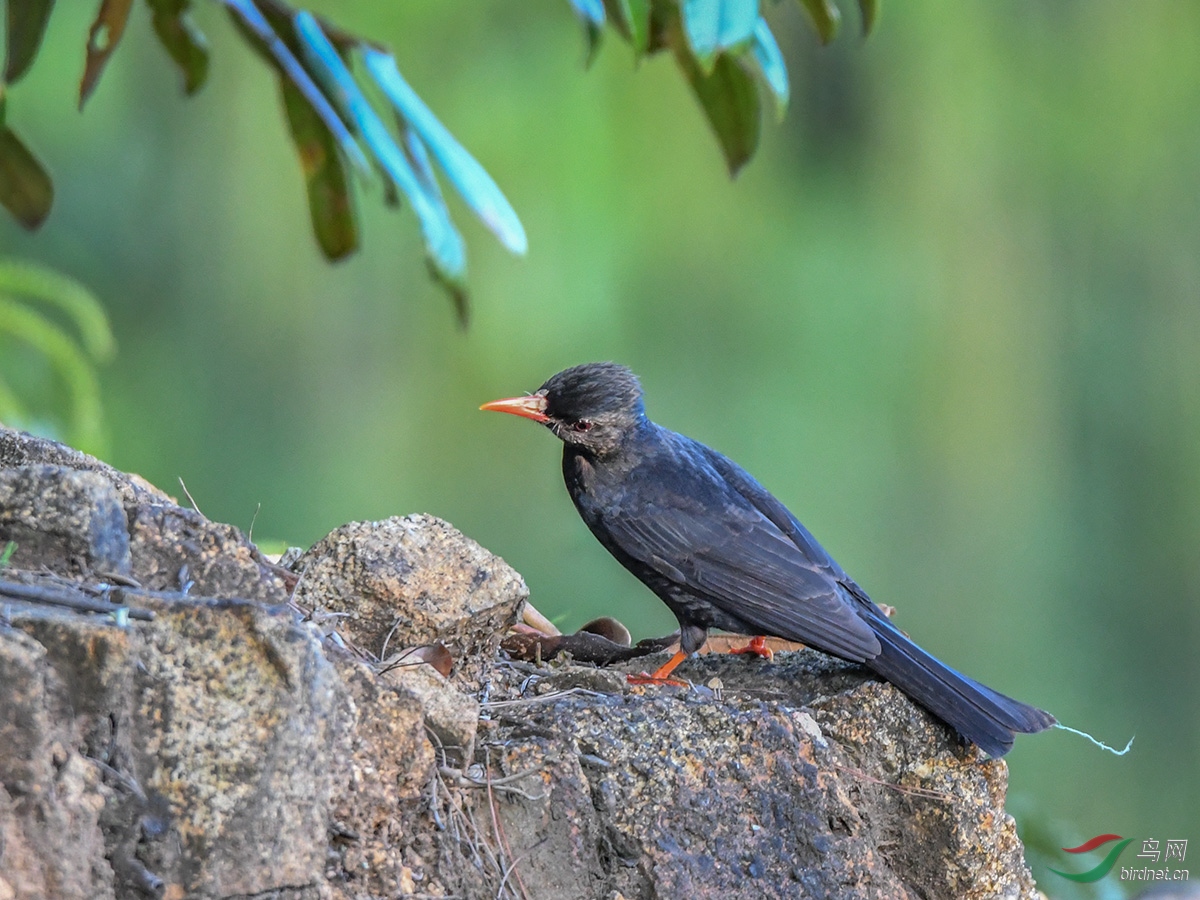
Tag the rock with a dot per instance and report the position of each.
(450, 715)
(63, 519)
(385, 765)
(212, 729)
(229, 748)
(77, 515)
(20, 448)
(50, 800)
(675, 793)
(220, 561)
(411, 581)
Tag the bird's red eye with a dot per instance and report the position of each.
(582, 425)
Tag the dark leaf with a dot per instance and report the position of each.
(435, 655)
(869, 10)
(715, 25)
(591, 14)
(25, 26)
(825, 17)
(455, 288)
(25, 189)
(266, 41)
(609, 628)
(664, 25)
(632, 19)
(103, 38)
(468, 176)
(730, 100)
(770, 64)
(584, 646)
(329, 202)
(182, 40)
(443, 244)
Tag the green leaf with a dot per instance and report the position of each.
(26, 23)
(730, 100)
(330, 205)
(76, 302)
(7, 553)
(469, 178)
(869, 11)
(825, 17)
(182, 40)
(103, 38)
(712, 26)
(68, 360)
(768, 59)
(71, 361)
(25, 188)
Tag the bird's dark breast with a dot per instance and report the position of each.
(594, 495)
(579, 473)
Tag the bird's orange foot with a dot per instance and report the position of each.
(757, 646)
(662, 673)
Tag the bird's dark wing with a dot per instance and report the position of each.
(779, 515)
(717, 546)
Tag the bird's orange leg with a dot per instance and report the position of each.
(662, 673)
(757, 646)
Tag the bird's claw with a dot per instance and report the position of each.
(757, 646)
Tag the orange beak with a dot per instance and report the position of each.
(531, 406)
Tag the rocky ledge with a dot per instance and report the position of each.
(182, 717)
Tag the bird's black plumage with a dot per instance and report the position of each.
(722, 552)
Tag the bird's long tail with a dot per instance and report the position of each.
(975, 711)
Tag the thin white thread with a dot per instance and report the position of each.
(1100, 744)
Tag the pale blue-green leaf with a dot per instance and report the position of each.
(715, 25)
(258, 25)
(442, 240)
(467, 175)
(770, 65)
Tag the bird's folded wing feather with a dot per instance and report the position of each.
(743, 564)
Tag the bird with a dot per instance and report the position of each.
(722, 552)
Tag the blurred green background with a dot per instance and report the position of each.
(950, 315)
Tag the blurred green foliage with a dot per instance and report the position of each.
(47, 376)
(949, 315)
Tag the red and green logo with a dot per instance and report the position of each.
(1105, 865)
